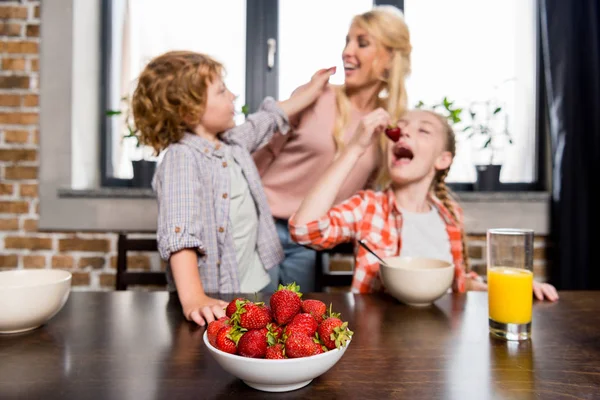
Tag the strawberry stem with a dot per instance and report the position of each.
(293, 287)
(236, 333)
(341, 335)
(331, 313)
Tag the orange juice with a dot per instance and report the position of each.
(510, 295)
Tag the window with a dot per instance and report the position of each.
(137, 30)
(143, 29)
(302, 54)
(471, 52)
(464, 50)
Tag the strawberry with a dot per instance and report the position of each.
(251, 315)
(227, 339)
(268, 308)
(393, 132)
(319, 350)
(275, 332)
(275, 352)
(334, 333)
(233, 306)
(316, 308)
(253, 343)
(299, 345)
(286, 303)
(304, 323)
(213, 329)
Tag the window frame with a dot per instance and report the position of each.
(262, 24)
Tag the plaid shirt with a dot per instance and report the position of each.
(192, 184)
(375, 218)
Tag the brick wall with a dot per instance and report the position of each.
(91, 257)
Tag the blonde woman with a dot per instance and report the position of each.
(376, 63)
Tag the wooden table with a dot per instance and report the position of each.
(136, 345)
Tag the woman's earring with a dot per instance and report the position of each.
(386, 75)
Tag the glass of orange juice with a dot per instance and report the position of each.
(510, 282)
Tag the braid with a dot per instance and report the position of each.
(440, 189)
(442, 192)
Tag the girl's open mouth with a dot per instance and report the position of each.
(402, 155)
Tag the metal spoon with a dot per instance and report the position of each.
(363, 244)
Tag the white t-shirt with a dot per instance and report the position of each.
(244, 221)
(425, 235)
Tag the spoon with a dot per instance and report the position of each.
(363, 244)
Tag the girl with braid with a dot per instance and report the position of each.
(413, 216)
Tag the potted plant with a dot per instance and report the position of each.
(489, 126)
(447, 109)
(143, 169)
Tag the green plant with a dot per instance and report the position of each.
(131, 132)
(447, 110)
(483, 122)
(488, 121)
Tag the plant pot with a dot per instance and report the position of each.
(143, 172)
(488, 178)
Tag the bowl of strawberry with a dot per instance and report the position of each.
(278, 347)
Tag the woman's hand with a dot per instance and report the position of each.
(204, 310)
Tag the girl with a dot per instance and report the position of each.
(376, 62)
(414, 215)
(214, 225)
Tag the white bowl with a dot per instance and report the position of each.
(29, 298)
(276, 375)
(416, 281)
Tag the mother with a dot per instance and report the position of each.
(376, 63)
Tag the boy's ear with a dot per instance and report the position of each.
(190, 121)
(443, 161)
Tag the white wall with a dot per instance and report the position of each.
(85, 118)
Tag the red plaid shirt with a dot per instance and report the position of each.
(375, 218)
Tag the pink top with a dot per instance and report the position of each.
(291, 164)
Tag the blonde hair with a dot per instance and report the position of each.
(170, 96)
(438, 184)
(387, 26)
(443, 192)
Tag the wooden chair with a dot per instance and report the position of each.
(323, 279)
(126, 278)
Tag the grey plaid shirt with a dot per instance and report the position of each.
(192, 184)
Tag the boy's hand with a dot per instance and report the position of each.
(307, 94)
(313, 89)
(541, 290)
(205, 310)
(368, 129)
